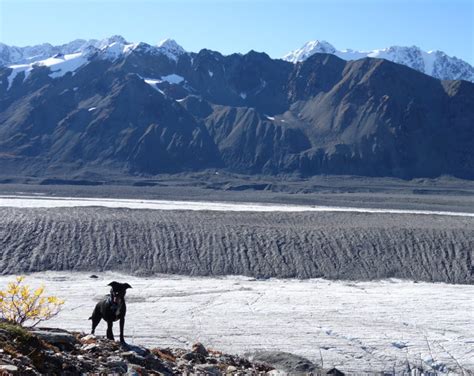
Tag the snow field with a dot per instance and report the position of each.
(58, 202)
(356, 326)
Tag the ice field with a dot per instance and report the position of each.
(59, 202)
(356, 326)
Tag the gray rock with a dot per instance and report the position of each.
(134, 358)
(133, 371)
(89, 337)
(286, 362)
(89, 347)
(208, 369)
(155, 364)
(137, 349)
(211, 360)
(194, 357)
(118, 367)
(59, 339)
(8, 368)
(200, 349)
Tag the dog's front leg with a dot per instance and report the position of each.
(110, 334)
(122, 324)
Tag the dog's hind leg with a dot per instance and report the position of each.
(110, 334)
(95, 321)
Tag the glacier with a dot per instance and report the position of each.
(355, 326)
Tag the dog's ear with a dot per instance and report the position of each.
(114, 284)
(127, 286)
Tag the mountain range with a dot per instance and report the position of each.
(433, 63)
(114, 107)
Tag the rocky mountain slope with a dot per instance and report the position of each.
(433, 63)
(138, 109)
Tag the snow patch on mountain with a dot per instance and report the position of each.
(114, 50)
(433, 63)
(58, 64)
(173, 79)
(154, 84)
(16, 70)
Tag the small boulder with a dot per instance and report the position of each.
(211, 360)
(90, 347)
(199, 348)
(164, 354)
(117, 366)
(133, 358)
(90, 338)
(231, 369)
(134, 371)
(333, 371)
(284, 362)
(155, 364)
(8, 368)
(194, 357)
(208, 369)
(63, 340)
(143, 351)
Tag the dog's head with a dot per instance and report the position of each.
(118, 291)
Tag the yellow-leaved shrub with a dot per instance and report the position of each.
(19, 304)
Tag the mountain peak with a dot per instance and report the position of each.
(308, 49)
(114, 40)
(171, 48)
(434, 63)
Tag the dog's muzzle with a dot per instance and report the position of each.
(116, 300)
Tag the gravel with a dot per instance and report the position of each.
(356, 246)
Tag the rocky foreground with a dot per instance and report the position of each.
(59, 352)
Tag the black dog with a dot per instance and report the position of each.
(111, 309)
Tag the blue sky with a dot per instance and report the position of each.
(273, 26)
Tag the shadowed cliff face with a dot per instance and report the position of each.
(148, 114)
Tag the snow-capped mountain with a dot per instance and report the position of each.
(71, 56)
(115, 107)
(110, 47)
(171, 49)
(433, 63)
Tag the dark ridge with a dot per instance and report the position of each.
(239, 113)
